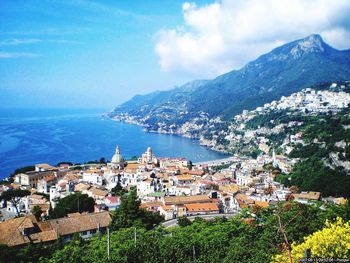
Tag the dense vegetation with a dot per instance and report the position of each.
(245, 238)
(319, 169)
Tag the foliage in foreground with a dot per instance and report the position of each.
(332, 242)
(232, 240)
(135, 237)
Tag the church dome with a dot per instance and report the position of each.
(117, 157)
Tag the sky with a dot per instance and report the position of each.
(98, 54)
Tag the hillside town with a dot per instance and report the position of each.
(239, 137)
(172, 187)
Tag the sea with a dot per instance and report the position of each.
(32, 136)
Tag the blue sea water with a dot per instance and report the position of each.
(50, 136)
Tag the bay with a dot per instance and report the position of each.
(31, 136)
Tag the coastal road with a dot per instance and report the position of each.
(173, 222)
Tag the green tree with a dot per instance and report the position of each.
(183, 221)
(76, 202)
(74, 251)
(118, 189)
(14, 197)
(129, 213)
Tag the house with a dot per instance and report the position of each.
(177, 162)
(183, 179)
(97, 193)
(307, 197)
(81, 187)
(25, 230)
(93, 176)
(112, 202)
(151, 206)
(201, 209)
(180, 200)
(155, 196)
(45, 183)
(166, 211)
(43, 167)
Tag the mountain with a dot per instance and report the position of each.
(281, 72)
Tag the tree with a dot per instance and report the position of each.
(24, 169)
(76, 202)
(129, 213)
(14, 197)
(37, 212)
(183, 221)
(190, 165)
(118, 190)
(74, 251)
(333, 241)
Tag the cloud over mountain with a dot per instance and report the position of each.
(224, 35)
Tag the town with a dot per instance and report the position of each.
(172, 187)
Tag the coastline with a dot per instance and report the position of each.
(201, 142)
(63, 139)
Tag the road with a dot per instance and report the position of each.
(173, 222)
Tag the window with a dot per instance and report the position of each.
(93, 231)
(84, 233)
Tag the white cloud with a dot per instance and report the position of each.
(218, 37)
(25, 41)
(17, 55)
(17, 41)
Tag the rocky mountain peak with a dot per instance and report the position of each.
(310, 44)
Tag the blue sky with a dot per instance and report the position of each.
(97, 54)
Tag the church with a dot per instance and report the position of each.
(117, 161)
(148, 157)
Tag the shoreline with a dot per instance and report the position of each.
(169, 133)
(193, 150)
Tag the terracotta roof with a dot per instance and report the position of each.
(98, 191)
(11, 230)
(133, 166)
(167, 207)
(241, 197)
(36, 196)
(232, 188)
(80, 187)
(184, 177)
(112, 199)
(262, 203)
(151, 204)
(76, 214)
(184, 170)
(93, 171)
(186, 199)
(75, 224)
(308, 195)
(45, 166)
(49, 177)
(202, 207)
(196, 172)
